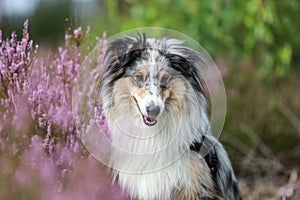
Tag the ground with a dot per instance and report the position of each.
(271, 187)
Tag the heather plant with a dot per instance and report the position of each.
(41, 155)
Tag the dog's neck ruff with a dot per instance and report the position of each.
(151, 168)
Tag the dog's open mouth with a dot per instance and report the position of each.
(149, 121)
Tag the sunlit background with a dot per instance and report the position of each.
(255, 44)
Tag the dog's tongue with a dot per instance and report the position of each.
(149, 121)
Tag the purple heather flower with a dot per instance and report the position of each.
(77, 32)
(35, 100)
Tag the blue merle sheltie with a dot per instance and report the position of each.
(156, 111)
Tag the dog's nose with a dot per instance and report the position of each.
(153, 110)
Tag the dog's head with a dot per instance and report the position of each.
(158, 74)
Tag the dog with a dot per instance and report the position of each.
(154, 102)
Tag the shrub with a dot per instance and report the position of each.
(41, 155)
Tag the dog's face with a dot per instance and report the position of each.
(150, 90)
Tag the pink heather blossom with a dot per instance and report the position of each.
(67, 39)
(77, 32)
(36, 123)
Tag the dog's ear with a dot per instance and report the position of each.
(121, 54)
(187, 63)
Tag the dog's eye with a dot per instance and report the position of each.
(165, 78)
(164, 82)
(163, 87)
(139, 78)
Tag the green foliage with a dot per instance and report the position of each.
(261, 131)
(258, 39)
(262, 31)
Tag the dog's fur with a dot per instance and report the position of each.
(156, 112)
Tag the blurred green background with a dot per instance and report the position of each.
(255, 44)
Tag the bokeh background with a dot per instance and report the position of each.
(255, 45)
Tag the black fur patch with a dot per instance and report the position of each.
(121, 57)
(187, 69)
(211, 158)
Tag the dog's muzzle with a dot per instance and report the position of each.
(152, 112)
